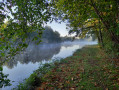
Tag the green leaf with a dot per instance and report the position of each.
(1, 69)
(2, 54)
(25, 45)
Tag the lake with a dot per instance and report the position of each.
(23, 65)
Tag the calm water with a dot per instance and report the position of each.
(25, 63)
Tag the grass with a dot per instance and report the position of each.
(89, 68)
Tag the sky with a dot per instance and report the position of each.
(61, 28)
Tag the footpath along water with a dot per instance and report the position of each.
(25, 63)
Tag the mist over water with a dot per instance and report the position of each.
(29, 60)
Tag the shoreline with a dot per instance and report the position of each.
(88, 68)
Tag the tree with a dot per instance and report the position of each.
(100, 17)
(24, 17)
(79, 13)
(50, 36)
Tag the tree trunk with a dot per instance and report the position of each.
(100, 35)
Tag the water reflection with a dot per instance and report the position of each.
(35, 53)
(23, 65)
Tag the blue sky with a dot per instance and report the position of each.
(61, 28)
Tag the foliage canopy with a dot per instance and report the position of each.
(100, 17)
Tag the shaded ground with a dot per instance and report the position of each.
(88, 69)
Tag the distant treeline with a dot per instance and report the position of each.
(50, 36)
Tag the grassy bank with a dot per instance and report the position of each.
(89, 68)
